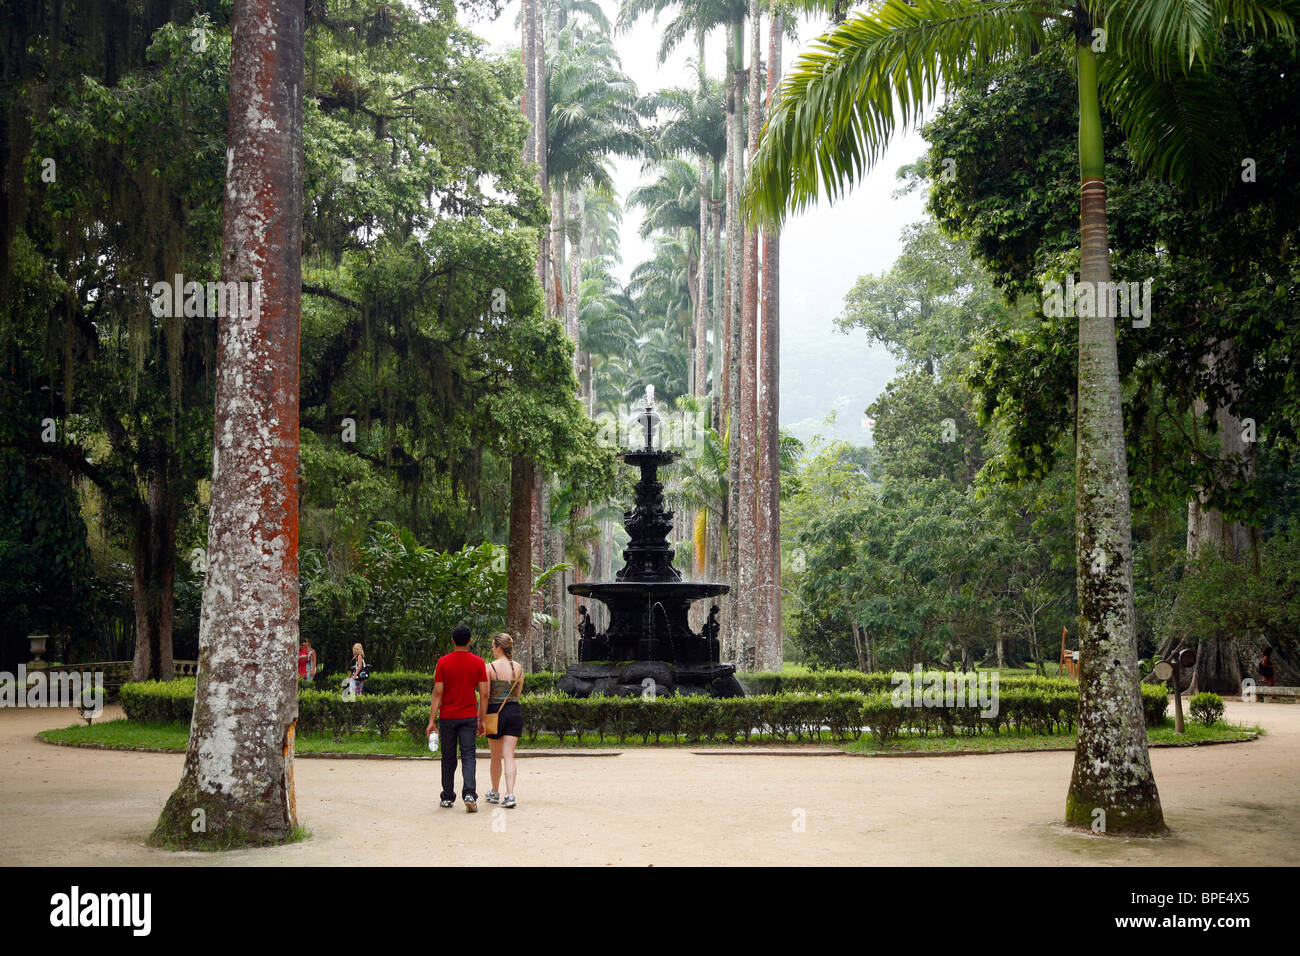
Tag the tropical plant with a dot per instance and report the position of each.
(1148, 61)
(1207, 707)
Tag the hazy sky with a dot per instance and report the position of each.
(823, 251)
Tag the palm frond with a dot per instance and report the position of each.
(869, 77)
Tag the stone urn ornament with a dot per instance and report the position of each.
(37, 645)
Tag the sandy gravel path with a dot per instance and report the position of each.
(1226, 804)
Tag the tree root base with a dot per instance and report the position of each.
(196, 820)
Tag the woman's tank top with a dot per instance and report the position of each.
(499, 689)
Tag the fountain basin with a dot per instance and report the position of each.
(648, 622)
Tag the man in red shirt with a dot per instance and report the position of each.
(458, 677)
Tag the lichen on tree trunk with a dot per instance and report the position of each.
(1112, 783)
(237, 786)
(1222, 660)
(519, 569)
(768, 624)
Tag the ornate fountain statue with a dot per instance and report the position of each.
(649, 635)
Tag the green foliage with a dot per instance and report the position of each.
(42, 548)
(319, 711)
(699, 718)
(400, 599)
(417, 595)
(418, 683)
(873, 74)
(931, 303)
(794, 715)
(1044, 708)
(1207, 708)
(926, 565)
(1220, 598)
(1010, 134)
(833, 681)
(419, 218)
(159, 702)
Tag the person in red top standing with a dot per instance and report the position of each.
(458, 677)
(306, 660)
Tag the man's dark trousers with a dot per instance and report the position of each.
(458, 733)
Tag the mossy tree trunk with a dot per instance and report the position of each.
(519, 569)
(237, 786)
(733, 638)
(1222, 661)
(746, 533)
(1112, 784)
(154, 578)
(768, 626)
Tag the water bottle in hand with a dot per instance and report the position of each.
(433, 742)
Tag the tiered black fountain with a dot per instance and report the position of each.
(649, 637)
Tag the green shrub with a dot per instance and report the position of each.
(415, 717)
(825, 682)
(696, 718)
(1207, 708)
(1032, 705)
(159, 702)
(1155, 703)
(881, 716)
(327, 712)
(420, 683)
(319, 711)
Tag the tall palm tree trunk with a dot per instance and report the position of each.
(716, 390)
(528, 106)
(541, 504)
(702, 296)
(768, 624)
(237, 785)
(1112, 780)
(735, 255)
(747, 530)
(539, 124)
(575, 278)
(555, 297)
(519, 569)
(519, 573)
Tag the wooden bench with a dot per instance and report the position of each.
(1261, 691)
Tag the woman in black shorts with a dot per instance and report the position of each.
(507, 680)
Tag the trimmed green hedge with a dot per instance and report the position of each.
(862, 682)
(1043, 709)
(416, 682)
(785, 716)
(155, 702)
(159, 702)
(795, 716)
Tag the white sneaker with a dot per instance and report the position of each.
(509, 801)
(492, 797)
